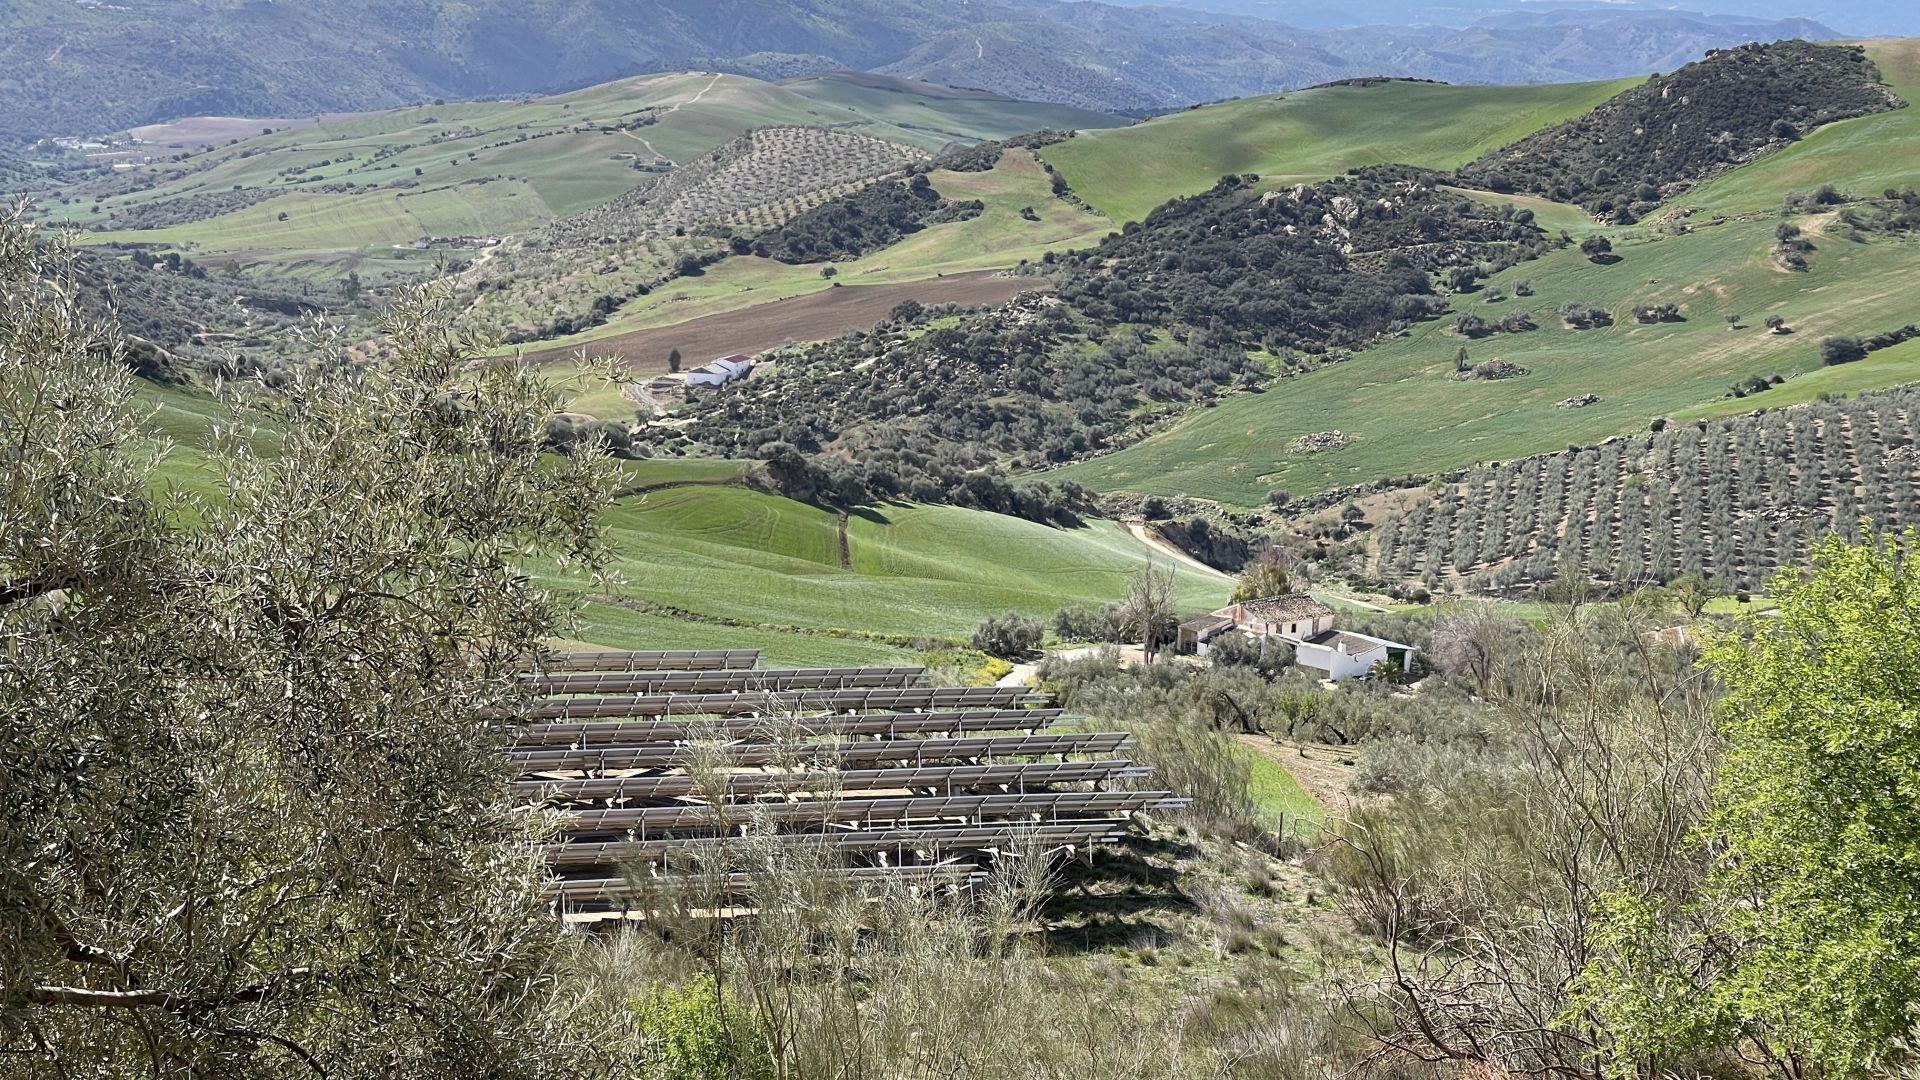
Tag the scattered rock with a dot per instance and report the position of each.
(1319, 441)
(1578, 401)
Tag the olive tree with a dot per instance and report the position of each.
(253, 813)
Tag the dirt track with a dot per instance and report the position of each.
(814, 317)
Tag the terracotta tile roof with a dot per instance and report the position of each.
(1289, 608)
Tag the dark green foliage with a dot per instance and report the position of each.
(1595, 246)
(1733, 499)
(1842, 349)
(1055, 378)
(867, 220)
(1010, 636)
(1104, 625)
(1846, 348)
(981, 157)
(1896, 213)
(174, 303)
(1269, 268)
(1582, 316)
(1270, 657)
(1662, 137)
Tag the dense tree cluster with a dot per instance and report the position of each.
(1157, 319)
(1733, 499)
(1334, 264)
(1657, 139)
(982, 157)
(867, 220)
(174, 302)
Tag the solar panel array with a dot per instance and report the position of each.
(656, 760)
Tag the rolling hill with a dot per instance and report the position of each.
(1710, 252)
(76, 68)
(702, 560)
(358, 192)
(1307, 135)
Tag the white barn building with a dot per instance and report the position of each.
(722, 371)
(1307, 625)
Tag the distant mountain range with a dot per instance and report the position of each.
(1901, 17)
(71, 67)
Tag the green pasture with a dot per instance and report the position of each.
(1307, 135)
(1279, 797)
(1862, 156)
(418, 171)
(1882, 368)
(1404, 411)
(913, 570)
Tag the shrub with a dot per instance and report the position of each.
(1009, 636)
(1841, 349)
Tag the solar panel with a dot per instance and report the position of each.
(650, 660)
(915, 839)
(715, 682)
(890, 779)
(1020, 776)
(1044, 805)
(615, 733)
(680, 755)
(782, 701)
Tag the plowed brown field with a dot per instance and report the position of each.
(814, 317)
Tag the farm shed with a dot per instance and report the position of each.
(722, 371)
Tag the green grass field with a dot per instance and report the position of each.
(761, 571)
(1309, 134)
(934, 571)
(418, 171)
(1404, 412)
(1279, 797)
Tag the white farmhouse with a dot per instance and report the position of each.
(722, 371)
(1304, 623)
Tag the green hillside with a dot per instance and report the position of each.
(1021, 219)
(762, 563)
(1403, 411)
(1126, 172)
(699, 562)
(360, 188)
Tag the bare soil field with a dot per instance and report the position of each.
(199, 131)
(814, 317)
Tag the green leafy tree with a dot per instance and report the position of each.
(1269, 574)
(253, 820)
(1691, 593)
(1803, 942)
(1817, 806)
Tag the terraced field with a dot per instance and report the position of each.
(1403, 411)
(1309, 134)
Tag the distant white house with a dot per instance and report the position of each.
(722, 371)
(1304, 623)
